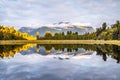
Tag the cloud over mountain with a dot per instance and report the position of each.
(58, 27)
(36, 12)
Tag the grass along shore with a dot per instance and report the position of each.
(5, 42)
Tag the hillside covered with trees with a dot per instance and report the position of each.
(9, 33)
(102, 33)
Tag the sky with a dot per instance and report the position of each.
(34, 13)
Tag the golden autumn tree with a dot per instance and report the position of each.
(48, 35)
(9, 33)
(37, 35)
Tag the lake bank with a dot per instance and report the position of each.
(115, 42)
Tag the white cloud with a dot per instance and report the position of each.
(81, 24)
(36, 12)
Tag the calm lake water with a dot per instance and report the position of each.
(59, 62)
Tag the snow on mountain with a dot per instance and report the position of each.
(58, 27)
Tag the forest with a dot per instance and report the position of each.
(9, 33)
(102, 33)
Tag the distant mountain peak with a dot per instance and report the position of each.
(59, 23)
(58, 27)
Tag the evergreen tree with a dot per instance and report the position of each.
(104, 25)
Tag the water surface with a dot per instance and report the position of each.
(59, 62)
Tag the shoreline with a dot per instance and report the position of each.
(5, 42)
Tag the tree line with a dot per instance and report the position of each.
(102, 33)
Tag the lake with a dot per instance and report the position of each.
(59, 62)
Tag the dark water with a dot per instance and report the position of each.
(59, 62)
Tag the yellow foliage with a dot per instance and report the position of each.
(11, 53)
(48, 32)
(8, 29)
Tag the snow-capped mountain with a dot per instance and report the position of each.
(58, 27)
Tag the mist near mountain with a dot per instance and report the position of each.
(58, 27)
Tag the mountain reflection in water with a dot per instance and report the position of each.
(64, 51)
(59, 62)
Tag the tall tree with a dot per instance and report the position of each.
(104, 25)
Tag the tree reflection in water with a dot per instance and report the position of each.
(104, 51)
(7, 51)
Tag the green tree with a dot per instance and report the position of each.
(104, 25)
(48, 35)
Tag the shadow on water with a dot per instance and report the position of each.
(104, 51)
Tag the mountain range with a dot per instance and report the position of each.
(57, 27)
